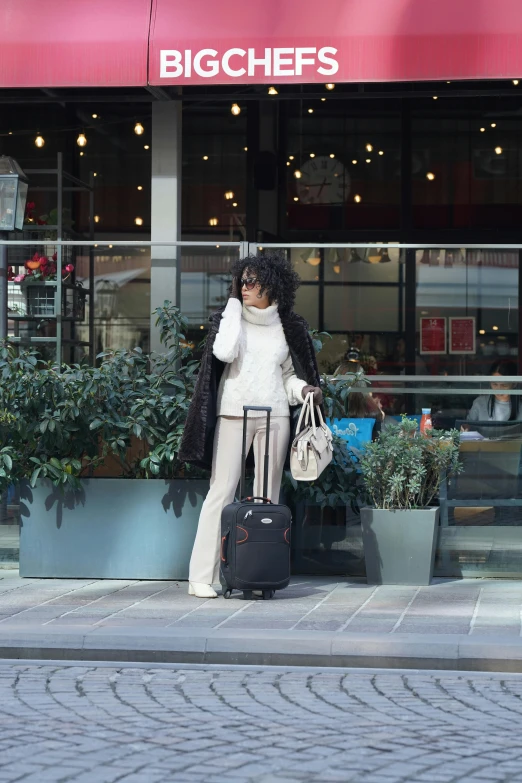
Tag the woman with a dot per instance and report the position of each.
(258, 352)
(498, 406)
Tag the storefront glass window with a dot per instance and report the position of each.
(467, 166)
(343, 167)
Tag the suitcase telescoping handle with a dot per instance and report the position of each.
(268, 411)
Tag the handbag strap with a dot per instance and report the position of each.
(307, 406)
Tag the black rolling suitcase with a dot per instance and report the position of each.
(255, 537)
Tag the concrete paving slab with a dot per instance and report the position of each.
(336, 621)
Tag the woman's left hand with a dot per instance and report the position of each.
(316, 391)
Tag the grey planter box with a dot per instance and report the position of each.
(110, 529)
(399, 546)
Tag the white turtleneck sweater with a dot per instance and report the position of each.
(252, 343)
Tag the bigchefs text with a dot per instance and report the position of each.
(286, 61)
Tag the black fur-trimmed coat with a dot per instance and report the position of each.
(198, 436)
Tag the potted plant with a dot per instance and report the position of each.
(94, 453)
(402, 473)
(40, 297)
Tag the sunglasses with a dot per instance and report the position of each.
(248, 282)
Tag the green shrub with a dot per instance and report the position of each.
(402, 470)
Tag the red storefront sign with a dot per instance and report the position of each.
(303, 41)
(462, 335)
(103, 43)
(433, 335)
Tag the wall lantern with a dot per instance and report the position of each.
(13, 194)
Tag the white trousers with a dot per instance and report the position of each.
(226, 471)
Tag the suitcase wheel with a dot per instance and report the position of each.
(228, 593)
(268, 594)
(247, 595)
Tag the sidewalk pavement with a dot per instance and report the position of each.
(467, 624)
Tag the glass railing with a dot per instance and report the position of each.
(77, 299)
(424, 324)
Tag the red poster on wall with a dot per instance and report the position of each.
(462, 335)
(433, 335)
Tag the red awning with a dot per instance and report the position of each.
(74, 43)
(317, 41)
(105, 43)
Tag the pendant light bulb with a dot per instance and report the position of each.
(139, 129)
(273, 91)
(235, 109)
(81, 141)
(330, 86)
(39, 141)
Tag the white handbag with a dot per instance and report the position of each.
(312, 448)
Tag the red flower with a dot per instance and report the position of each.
(69, 268)
(10, 273)
(29, 206)
(54, 256)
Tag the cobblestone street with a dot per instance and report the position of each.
(103, 724)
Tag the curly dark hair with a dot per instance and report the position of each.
(275, 273)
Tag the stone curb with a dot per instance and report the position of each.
(262, 648)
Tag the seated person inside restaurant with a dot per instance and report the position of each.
(498, 406)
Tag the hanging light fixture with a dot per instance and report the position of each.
(81, 141)
(330, 86)
(369, 148)
(312, 154)
(235, 109)
(498, 150)
(332, 155)
(381, 152)
(515, 82)
(229, 195)
(312, 257)
(430, 175)
(96, 218)
(140, 187)
(94, 116)
(273, 91)
(139, 129)
(357, 198)
(39, 141)
(213, 221)
(482, 130)
(310, 111)
(234, 203)
(297, 174)
(138, 221)
(354, 162)
(205, 157)
(493, 124)
(146, 146)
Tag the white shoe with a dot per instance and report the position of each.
(201, 590)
